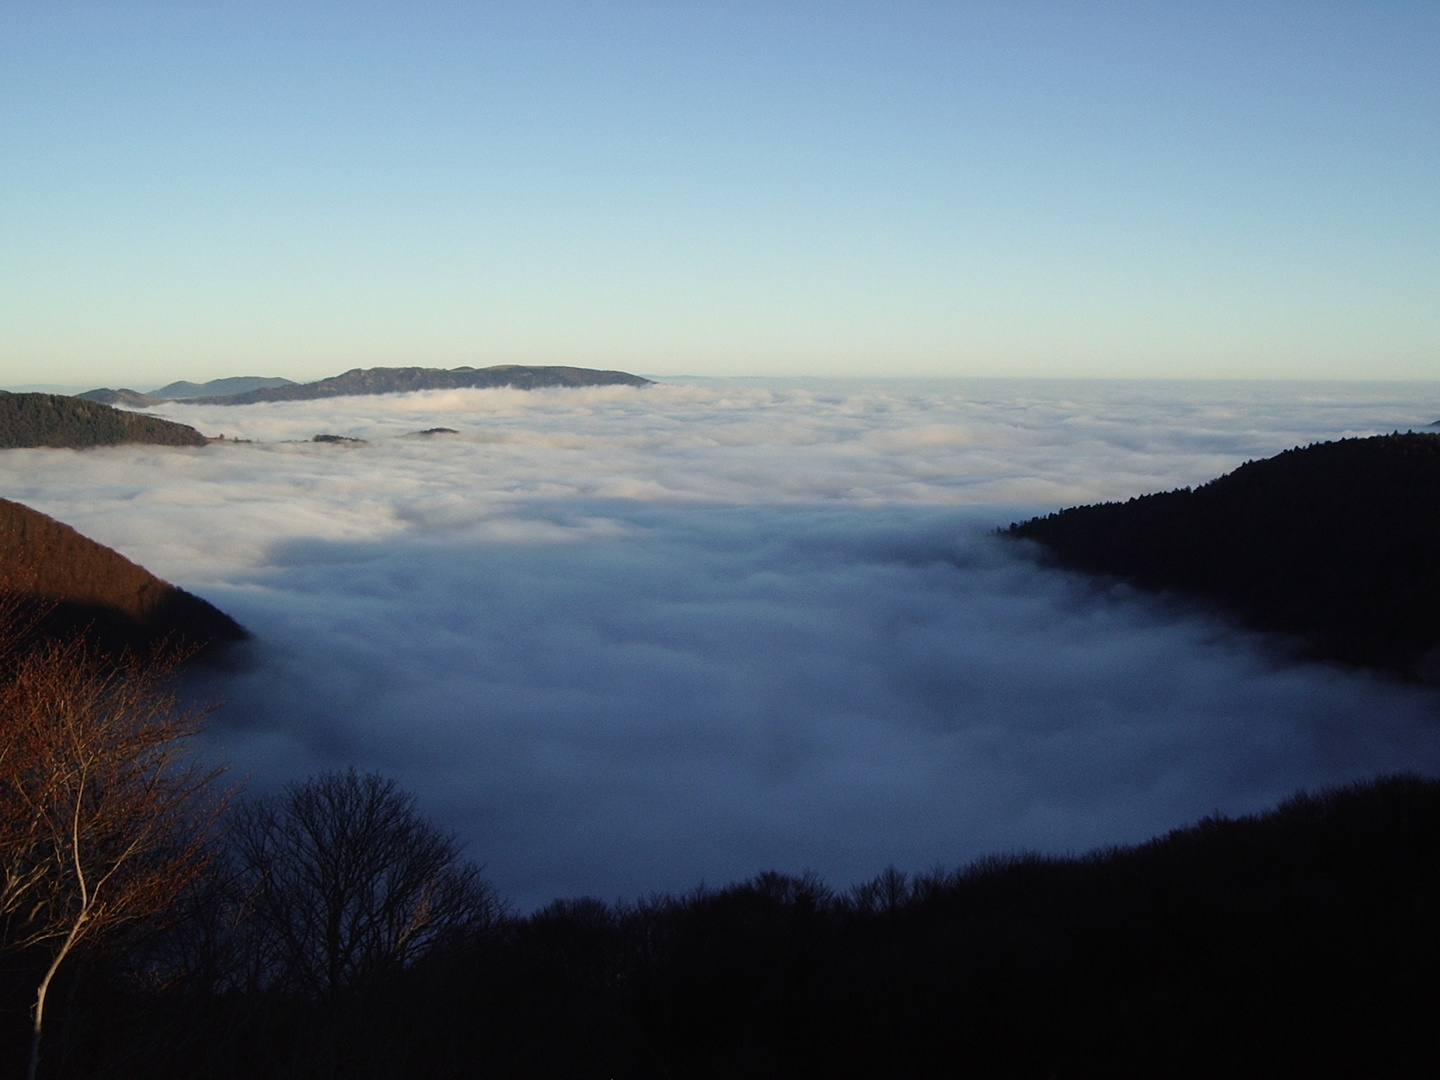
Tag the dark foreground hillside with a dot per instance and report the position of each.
(60, 421)
(1338, 543)
(1297, 943)
(85, 588)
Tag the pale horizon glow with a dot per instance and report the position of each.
(1041, 189)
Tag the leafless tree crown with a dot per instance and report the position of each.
(345, 878)
(104, 813)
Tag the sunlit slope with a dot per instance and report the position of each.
(1338, 542)
(82, 587)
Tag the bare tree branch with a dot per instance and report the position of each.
(346, 879)
(104, 814)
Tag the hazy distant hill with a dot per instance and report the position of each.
(359, 381)
(97, 591)
(239, 384)
(130, 399)
(57, 420)
(1338, 542)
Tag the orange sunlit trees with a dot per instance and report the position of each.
(104, 814)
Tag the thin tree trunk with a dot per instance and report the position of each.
(40, 993)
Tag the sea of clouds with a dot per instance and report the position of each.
(630, 640)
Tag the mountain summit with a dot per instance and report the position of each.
(239, 384)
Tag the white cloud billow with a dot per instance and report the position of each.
(628, 640)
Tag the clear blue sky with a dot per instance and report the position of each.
(1148, 189)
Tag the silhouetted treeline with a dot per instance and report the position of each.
(1338, 542)
(1301, 942)
(60, 421)
(77, 587)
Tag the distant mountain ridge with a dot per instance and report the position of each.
(1338, 543)
(366, 381)
(122, 398)
(60, 421)
(238, 384)
(181, 391)
(251, 389)
(80, 587)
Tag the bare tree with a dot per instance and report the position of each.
(346, 879)
(104, 814)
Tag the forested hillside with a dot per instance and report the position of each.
(1298, 943)
(1338, 543)
(60, 421)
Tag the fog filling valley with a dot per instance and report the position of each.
(626, 641)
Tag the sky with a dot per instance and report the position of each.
(1119, 190)
(625, 640)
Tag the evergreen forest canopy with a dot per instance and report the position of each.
(1337, 543)
(58, 421)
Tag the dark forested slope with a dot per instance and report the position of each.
(1338, 543)
(60, 421)
(87, 588)
(1288, 944)
(359, 381)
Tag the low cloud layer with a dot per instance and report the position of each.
(629, 640)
